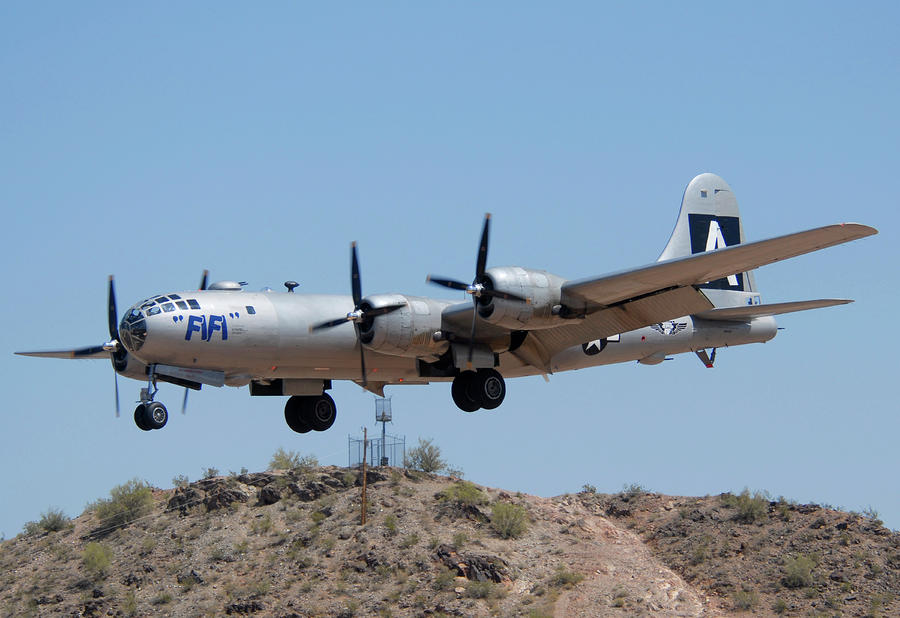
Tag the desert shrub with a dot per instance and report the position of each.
(565, 578)
(409, 541)
(798, 572)
(509, 520)
(779, 606)
(180, 480)
(445, 579)
(126, 503)
(464, 493)
(53, 520)
(745, 599)
(460, 539)
(390, 523)
(162, 598)
(634, 490)
(292, 460)
(750, 508)
(484, 590)
(425, 457)
(96, 559)
(587, 488)
(209, 473)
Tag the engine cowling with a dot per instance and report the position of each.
(540, 288)
(408, 331)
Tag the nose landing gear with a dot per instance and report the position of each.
(150, 414)
(472, 390)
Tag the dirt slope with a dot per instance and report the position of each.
(291, 544)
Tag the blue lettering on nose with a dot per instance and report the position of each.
(196, 323)
(217, 323)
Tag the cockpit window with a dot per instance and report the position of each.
(135, 313)
(251, 310)
(168, 307)
(174, 296)
(146, 304)
(153, 310)
(160, 299)
(181, 304)
(193, 303)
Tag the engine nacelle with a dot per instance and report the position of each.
(540, 288)
(408, 331)
(127, 365)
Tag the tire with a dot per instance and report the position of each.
(139, 418)
(155, 415)
(320, 412)
(490, 388)
(293, 416)
(463, 391)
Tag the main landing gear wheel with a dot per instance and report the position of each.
(316, 413)
(482, 389)
(151, 415)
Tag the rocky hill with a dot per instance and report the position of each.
(290, 543)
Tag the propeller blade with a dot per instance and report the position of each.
(472, 334)
(362, 357)
(116, 377)
(203, 279)
(377, 311)
(184, 401)
(355, 283)
(112, 313)
(503, 295)
(329, 324)
(482, 249)
(447, 283)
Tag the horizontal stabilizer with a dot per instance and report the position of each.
(757, 311)
(95, 351)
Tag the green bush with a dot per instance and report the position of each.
(798, 572)
(509, 520)
(464, 493)
(390, 522)
(745, 599)
(293, 461)
(425, 457)
(750, 508)
(96, 559)
(565, 578)
(53, 520)
(126, 503)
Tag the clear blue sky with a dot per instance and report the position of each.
(153, 141)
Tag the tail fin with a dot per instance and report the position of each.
(709, 219)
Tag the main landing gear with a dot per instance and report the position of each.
(150, 414)
(310, 413)
(472, 390)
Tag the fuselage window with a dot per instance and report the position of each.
(168, 307)
(181, 304)
(174, 296)
(153, 310)
(251, 310)
(193, 303)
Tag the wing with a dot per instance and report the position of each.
(597, 293)
(96, 351)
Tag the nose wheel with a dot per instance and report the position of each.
(152, 415)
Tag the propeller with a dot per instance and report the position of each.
(481, 284)
(203, 279)
(361, 313)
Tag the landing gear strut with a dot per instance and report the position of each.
(472, 390)
(310, 413)
(150, 414)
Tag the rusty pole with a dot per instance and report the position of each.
(365, 448)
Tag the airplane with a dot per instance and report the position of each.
(700, 295)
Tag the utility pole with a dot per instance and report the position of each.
(365, 447)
